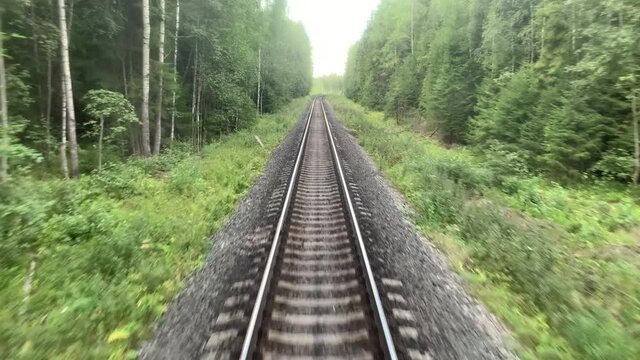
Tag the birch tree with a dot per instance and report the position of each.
(4, 113)
(636, 136)
(146, 34)
(158, 134)
(175, 72)
(68, 90)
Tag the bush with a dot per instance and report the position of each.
(615, 165)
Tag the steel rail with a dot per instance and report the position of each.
(258, 307)
(381, 319)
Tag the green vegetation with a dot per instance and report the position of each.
(540, 91)
(554, 82)
(87, 266)
(560, 265)
(214, 66)
(329, 84)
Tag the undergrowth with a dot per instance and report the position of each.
(560, 265)
(107, 253)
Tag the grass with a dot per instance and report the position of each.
(112, 249)
(559, 265)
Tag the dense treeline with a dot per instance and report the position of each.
(551, 83)
(329, 84)
(142, 75)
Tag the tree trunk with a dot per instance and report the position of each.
(4, 113)
(158, 135)
(175, 72)
(68, 90)
(125, 82)
(194, 98)
(636, 136)
(27, 286)
(146, 146)
(542, 35)
(100, 141)
(63, 143)
(573, 27)
(413, 7)
(36, 60)
(532, 54)
(49, 100)
(198, 104)
(259, 100)
(195, 83)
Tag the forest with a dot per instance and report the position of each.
(554, 83)
(128, 134)
(92, 80)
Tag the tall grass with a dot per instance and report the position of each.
(561, 266)
(112, 249)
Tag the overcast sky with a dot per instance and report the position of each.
(333, 26)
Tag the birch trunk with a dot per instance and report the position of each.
(175, 72)
(146, 146)
(194, 98)
(4, 113)
(636, 136)
(198, 103)
(532, 54)
(63, 143)
(68, 90)
(49, 100)
(100, 141)
(259, 100)
(195, 83)
(158, 134)
(27, 286)
(36, 60)
(125, 82)
(413, 6)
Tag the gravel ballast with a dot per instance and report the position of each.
(430, 314)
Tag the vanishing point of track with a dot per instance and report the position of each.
(317, 296)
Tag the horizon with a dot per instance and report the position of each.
(330, 44)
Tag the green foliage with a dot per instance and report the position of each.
(615, 165)
(113, 248)
(329, 84)
(404, 91)
(109, 105)
(106, 53)
(549, 80)
(556, 263)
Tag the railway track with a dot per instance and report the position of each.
(317, 296)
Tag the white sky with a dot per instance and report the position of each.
(333, 26)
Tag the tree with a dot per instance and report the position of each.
(68, 90)
(4, 113)
(552, 81)
(175, 72)
(103, 105)
(146, 25)
(158, 134)
(636, 136)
